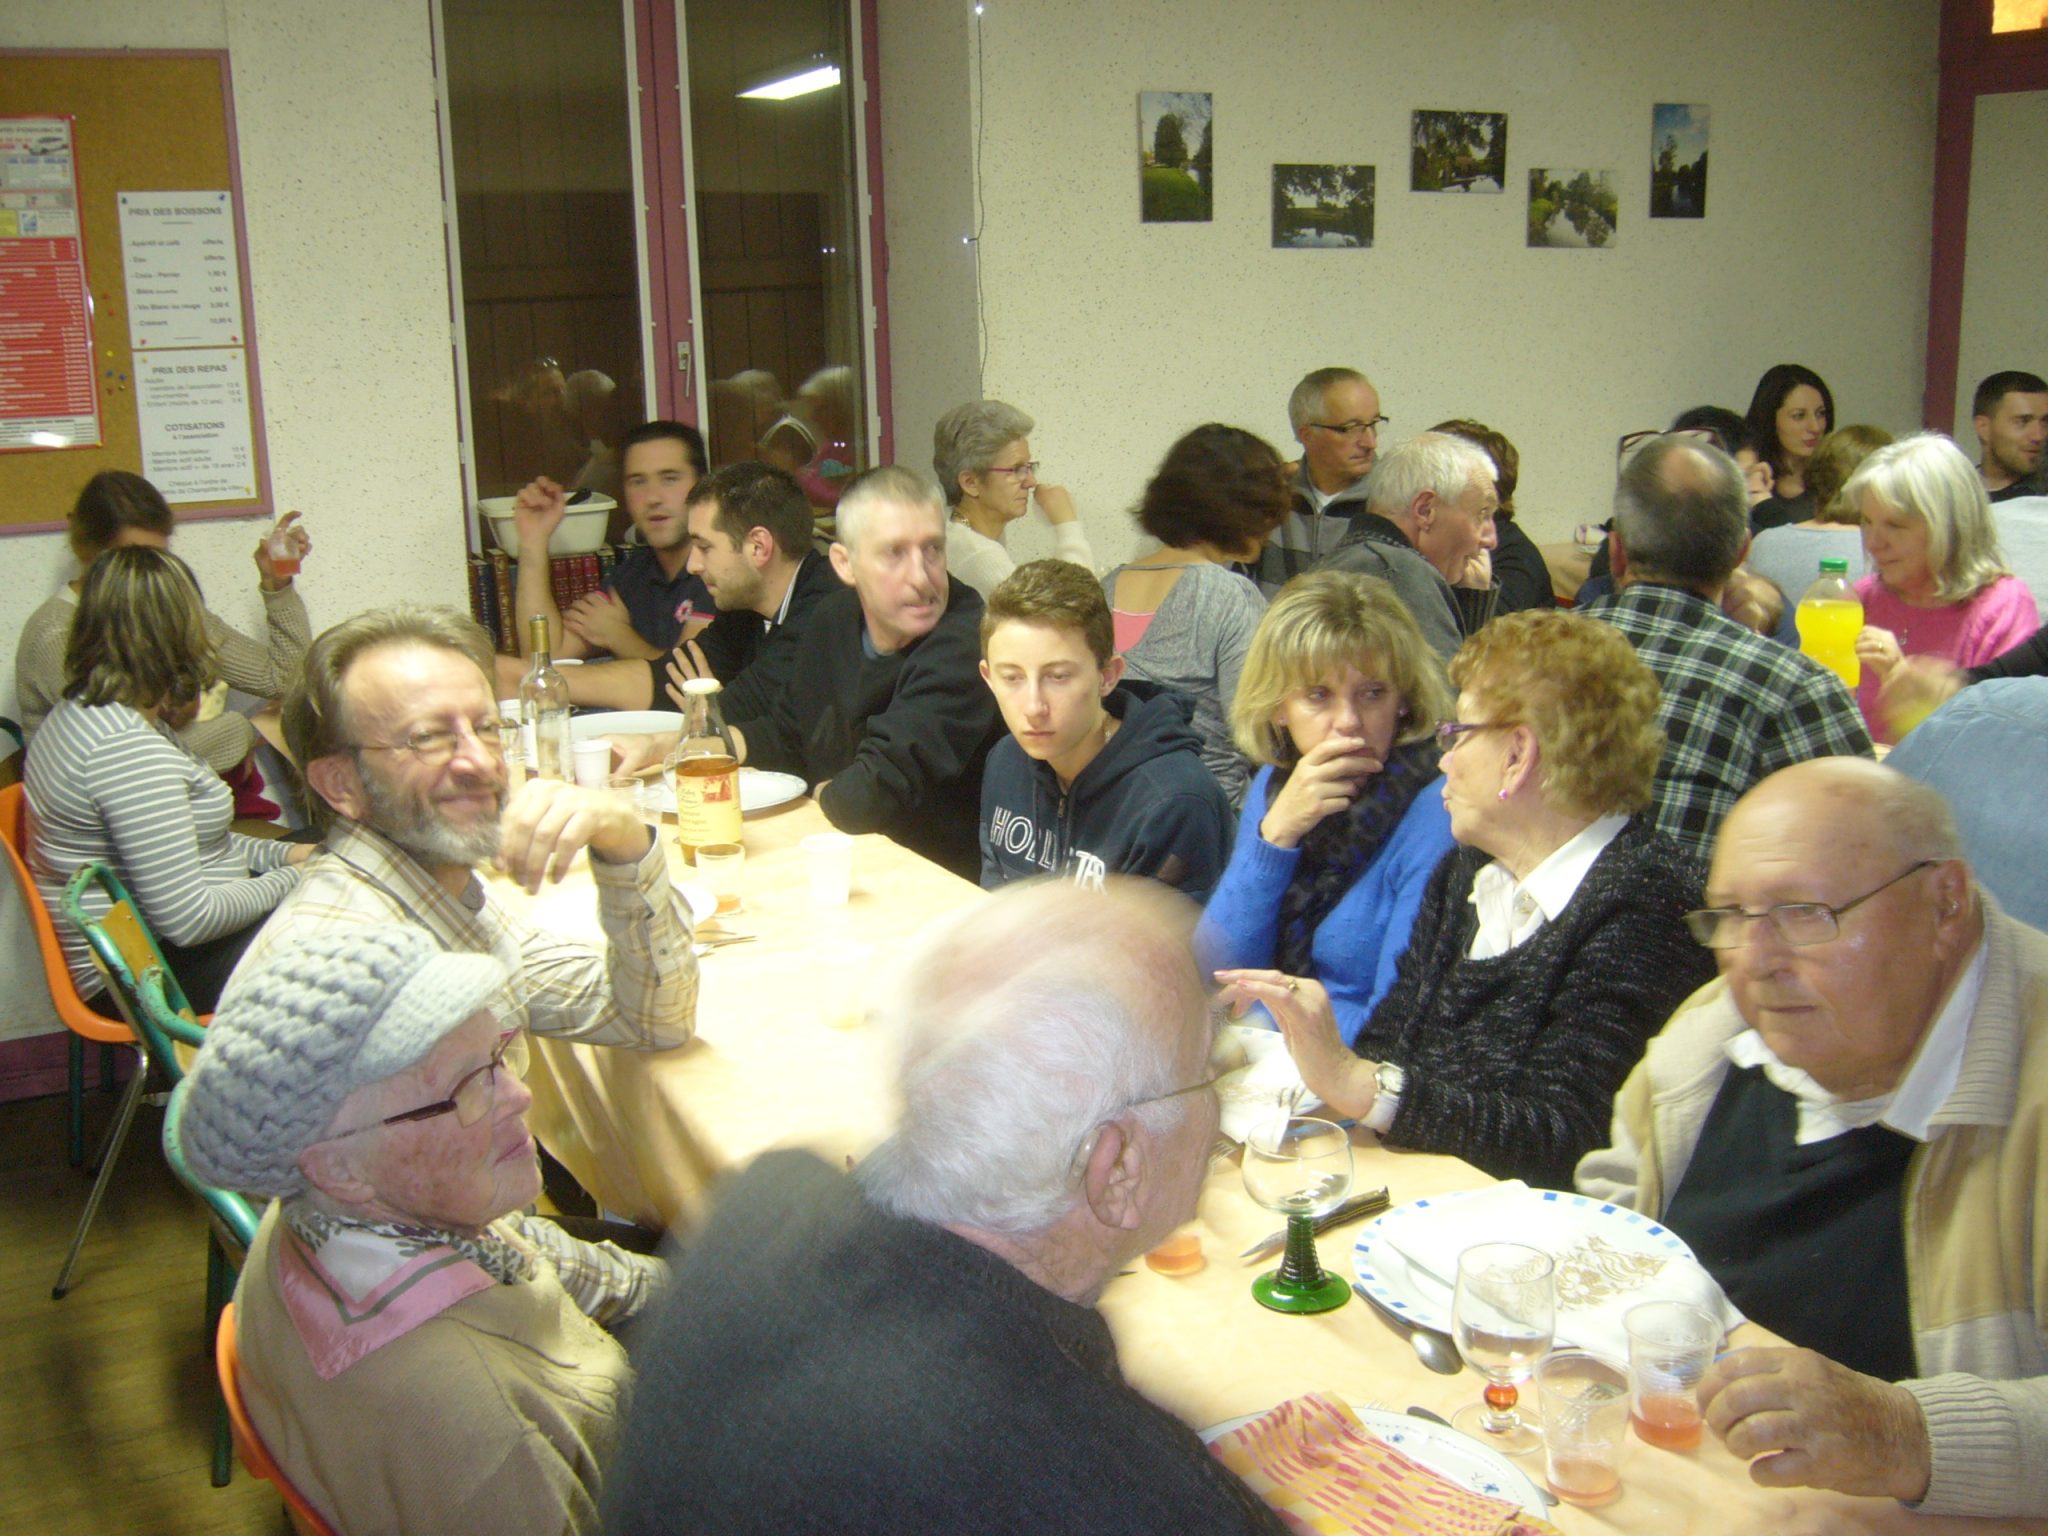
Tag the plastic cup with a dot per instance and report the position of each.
(1670, 1346)
(284, 559)
(593, 760)
(718, 871)
(828, 860)
(1585, 1423)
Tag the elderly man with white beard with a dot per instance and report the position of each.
(396, 728)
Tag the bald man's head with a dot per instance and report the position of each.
(1681, 512)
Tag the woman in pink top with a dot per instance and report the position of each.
(1938, 585)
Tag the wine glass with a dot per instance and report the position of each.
(1301, 1168)
(1505, 1314)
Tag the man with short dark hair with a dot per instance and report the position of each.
(1100, 776)
(932, 1359)
(2010, 413)
(1427, 531)
(1335, 416)
(1736, 707)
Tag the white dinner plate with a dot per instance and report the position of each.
(624, 722)
(761, 790)
(1452, 1455)
(1385, 1272)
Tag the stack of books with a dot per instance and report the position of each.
(493, 578)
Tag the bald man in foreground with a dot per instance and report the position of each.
(1848, 1126)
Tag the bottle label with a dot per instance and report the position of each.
(707, 802)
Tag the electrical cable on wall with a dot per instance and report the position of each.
(980, 215)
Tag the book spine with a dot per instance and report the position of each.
(508, 610)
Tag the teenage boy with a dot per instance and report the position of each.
(1099, 776)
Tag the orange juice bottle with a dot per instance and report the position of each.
(1830, 617)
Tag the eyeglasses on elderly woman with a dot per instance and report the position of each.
(468, 1101)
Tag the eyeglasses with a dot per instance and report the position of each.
(1349, 429)
(1798, 923)
(468, 1101)
(1087, 1148)
(1450, 732)
(1024, 471)
(1629, 444)
(433, 747)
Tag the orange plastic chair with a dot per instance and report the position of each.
(305, 1519)
(83, 1023)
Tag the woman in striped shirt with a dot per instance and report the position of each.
(108, 779)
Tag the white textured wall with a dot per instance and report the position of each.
(334, 103)
(1118, 336)
(2004, 323)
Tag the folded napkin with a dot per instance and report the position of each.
(1600, 1273)
(1321, 1470)
(1256, 1092)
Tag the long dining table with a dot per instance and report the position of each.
(784, 1056)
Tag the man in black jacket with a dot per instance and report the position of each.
(1096, 779)
(885, 714)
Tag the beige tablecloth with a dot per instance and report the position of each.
(780, 1059)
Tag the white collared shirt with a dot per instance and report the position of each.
(1511, 912)
(1909, 1108)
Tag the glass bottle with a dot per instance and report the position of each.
(706, 770)
(544, 710)
(1829, 618)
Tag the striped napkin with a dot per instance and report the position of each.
(1322, 1471)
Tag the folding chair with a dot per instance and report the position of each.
(255, 1456)
(83, 1023)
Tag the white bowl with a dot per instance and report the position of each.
(581, 533)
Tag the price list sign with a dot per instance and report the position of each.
(47, 398)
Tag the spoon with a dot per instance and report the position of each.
(1433, 1349)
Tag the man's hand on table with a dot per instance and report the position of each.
(549, 820)
(1812, 1423)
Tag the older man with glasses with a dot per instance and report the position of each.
(1335, 416)
(1849, 1127)
(415, 1353)
(395, 727)
(916, 1347)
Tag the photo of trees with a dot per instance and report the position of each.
(1678, 161)
(1571, 210)
(1327, 207)
(1174, 157)
(1460, 152)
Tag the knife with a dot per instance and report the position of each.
(1350, 1210)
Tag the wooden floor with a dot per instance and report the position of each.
(106, 1411)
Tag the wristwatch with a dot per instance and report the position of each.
(1388, 1082)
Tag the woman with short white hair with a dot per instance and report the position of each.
(1938, 583)
(982, 455)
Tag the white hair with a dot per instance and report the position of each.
(1021, 1025)
(903, 484)
(1305, 404)
(1429, 461)
(1927, 477)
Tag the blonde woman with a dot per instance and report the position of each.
(1938, 584)
(1550, 947)
(1342, 826)
(108, 778)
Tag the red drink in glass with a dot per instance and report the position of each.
(1586, 1481)
(1667, 1419)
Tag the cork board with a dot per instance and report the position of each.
(143, 121)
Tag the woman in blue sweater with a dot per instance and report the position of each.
(1343, 825)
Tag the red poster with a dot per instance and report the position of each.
(47, 395)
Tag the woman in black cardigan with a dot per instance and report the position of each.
(1551, 946)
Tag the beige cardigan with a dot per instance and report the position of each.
(1976, 1214)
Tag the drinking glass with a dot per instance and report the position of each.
(1585, 1422)
(1301, 1168)
(1504, 1314)
(1670, 1346)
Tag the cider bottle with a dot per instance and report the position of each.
(1830, 617)
(544, 708)
(707, 772)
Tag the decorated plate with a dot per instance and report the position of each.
(1452, 1455)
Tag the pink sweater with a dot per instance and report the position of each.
(1991, 621)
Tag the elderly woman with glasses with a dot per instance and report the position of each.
(111, 780)
(982, 455)
(417, 1354)
(1550, 947)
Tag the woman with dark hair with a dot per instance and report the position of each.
(1521, 579)
(1789, 414)
(1183, 616)
(117, 510)
(109, 780)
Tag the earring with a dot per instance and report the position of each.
(1503, 792)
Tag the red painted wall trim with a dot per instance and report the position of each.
(878, 235)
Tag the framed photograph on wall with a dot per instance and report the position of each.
(1460, 152)
(1323, 207)
(1572, 210)
(1174, 130)
(1678, 161)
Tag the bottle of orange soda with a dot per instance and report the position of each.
(1830, 617)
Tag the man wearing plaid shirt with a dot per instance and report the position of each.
(1737, 707)
(396, 727)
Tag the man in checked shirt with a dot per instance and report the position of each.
(395, 726)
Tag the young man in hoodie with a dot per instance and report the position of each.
(1099, 776)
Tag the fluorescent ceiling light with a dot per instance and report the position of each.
(816, 77)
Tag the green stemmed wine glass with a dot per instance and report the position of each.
(1300, 1167)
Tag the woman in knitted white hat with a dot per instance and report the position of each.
(416, 1354)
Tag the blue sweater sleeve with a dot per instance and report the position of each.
(1243, 915)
